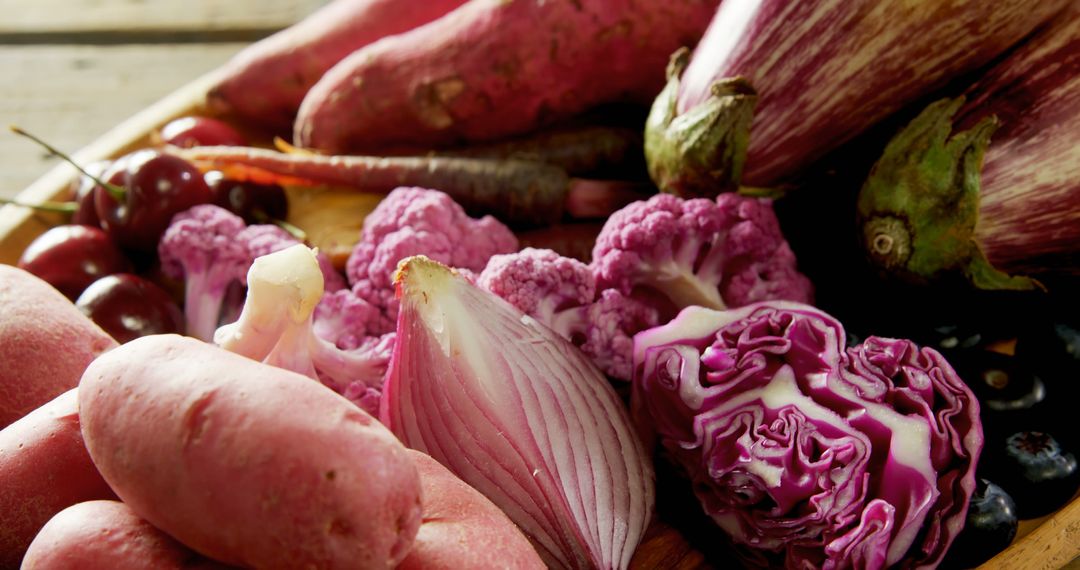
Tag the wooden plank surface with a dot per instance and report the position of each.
(73, 69)
(70, 95)
(54, 17)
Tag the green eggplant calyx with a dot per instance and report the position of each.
(918, 208)
(701, 152)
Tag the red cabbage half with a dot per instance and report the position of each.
(805, 451)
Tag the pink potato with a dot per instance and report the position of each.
(107, 535)
(265, 82)
(495, 68)
(44, 468)
(461, 528)
(246, 463)
(45, 343)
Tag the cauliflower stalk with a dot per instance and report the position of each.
(279, 326)
(210, 249)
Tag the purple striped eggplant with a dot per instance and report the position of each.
(810, 75)
(988, 188)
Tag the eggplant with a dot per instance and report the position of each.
(808, 75)
(986, 186)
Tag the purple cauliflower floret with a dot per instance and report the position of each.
(608, 331)
(809, 452)
(417, 221)
(675, 253)
(211, 249)
(201, 247)
(287, 321)
(344, 319)
(560, 292)
(542, 284)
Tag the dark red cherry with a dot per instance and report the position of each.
(200, 131)
(127, 307)
(82, 189)
(155, 187)
(71, 257)
(256, 203)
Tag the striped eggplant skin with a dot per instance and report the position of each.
(987, 186)
(1029, 201)
(826, 70)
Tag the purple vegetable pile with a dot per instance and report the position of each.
(811, 308)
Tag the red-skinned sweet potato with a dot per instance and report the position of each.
(461, 528)
(246, 463)
(44, 468)
(106, 535)
(45, 343)
(265, 82)
(494, 68)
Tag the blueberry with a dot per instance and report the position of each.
(1001, 382)
(990, 527)
(1039, 474)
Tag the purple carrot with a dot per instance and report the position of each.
(579, 150)
(519, 192)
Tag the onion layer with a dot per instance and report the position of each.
(521, 415)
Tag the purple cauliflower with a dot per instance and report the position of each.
(674, 253)
(288, 322)
(811, 454)
(210, 249)
(560, 292)
(416, 221)
(201, 248)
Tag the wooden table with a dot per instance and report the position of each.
(72, 69)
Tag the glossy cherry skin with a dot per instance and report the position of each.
(156, 187)
(71, 257)
(200, 131)
(83, 191)
(127, 307)
(256, 203)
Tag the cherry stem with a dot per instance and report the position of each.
(47, 206)
(115, 191)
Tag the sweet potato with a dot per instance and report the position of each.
(495, 68)
(461, 528)
(106, 535)
(45, 343)
(264, 83)
(44, 468)
(246, 463)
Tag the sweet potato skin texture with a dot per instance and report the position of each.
(105, 535)
(44, 468)
(264, 83)
(45, 343)
(462, 528)
(495, 68)
(246, 463)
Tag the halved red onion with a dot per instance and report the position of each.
(521, 415)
